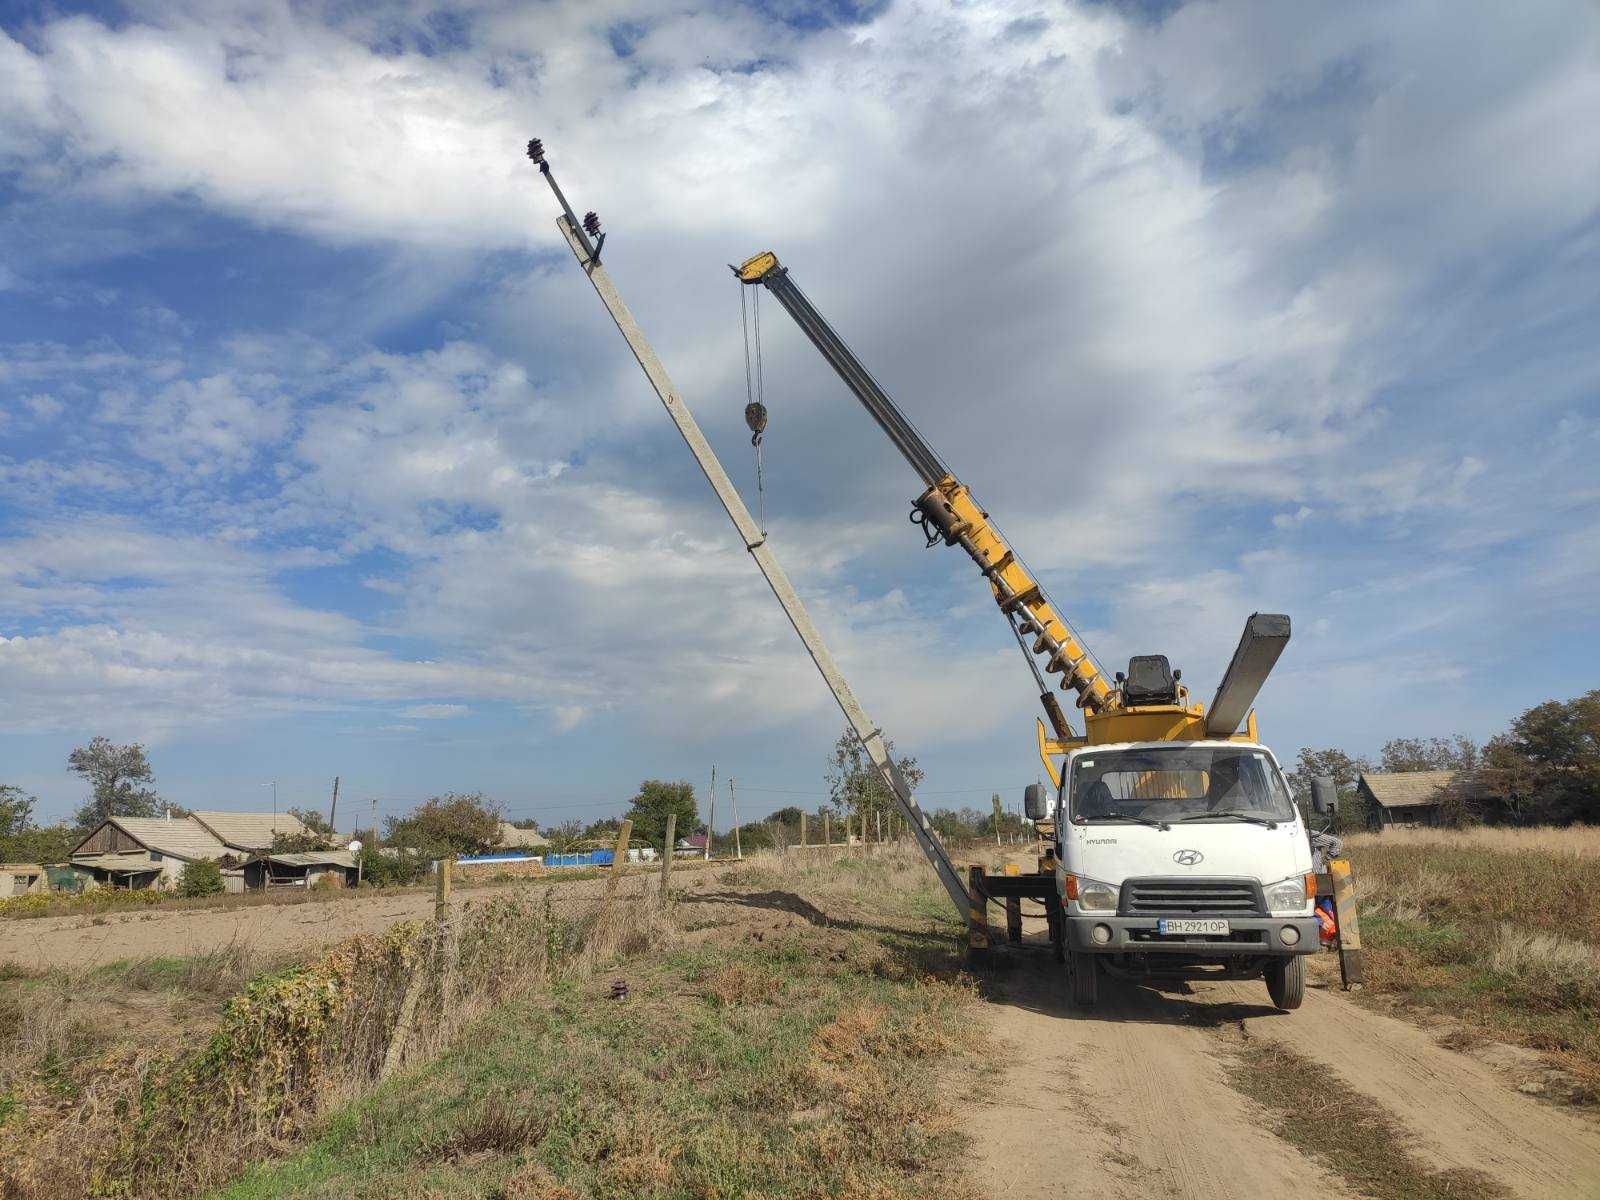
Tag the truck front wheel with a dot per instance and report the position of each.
(1085, 972)
(1286, 982)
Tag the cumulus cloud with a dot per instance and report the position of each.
(1223, 312)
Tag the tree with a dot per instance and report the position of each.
(455, 823)
(655, 801)
(1456, 753)
(40, 844)
(24, 842)
(200, 878)
(318, 835)
(1547, 765)
(854, 785)
(16, 810)
(1346, 772)
(565, 836)
(115, 775)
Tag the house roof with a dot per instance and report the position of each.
(183, 838)
(1403, 789)
(129, 863)
(311, 858)
(521, 839)
(249, 830)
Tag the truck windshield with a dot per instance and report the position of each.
(1220, 783)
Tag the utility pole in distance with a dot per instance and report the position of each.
(733, 803)
(333, 805)
(711, 816)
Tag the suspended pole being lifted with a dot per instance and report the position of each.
(587, 252)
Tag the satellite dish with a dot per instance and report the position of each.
(355, 846)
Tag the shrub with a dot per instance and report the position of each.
(200, 879)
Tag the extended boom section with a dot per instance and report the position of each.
(947, 511)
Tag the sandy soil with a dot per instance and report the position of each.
(267, 929)
(1133, 1096)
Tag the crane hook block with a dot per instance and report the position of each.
(755, 416)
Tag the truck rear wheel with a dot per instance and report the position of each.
(1286, 982)
(1085, 972)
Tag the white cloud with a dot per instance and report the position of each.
(1162, 293)
(434, 712)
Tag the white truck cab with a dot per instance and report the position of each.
(1183, 859)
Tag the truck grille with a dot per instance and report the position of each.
(1192, 897)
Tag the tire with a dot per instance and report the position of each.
(1085, 972)
(1286, 982)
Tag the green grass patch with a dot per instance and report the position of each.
(799, 1067)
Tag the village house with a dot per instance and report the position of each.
(151, 852)
(1412, 798)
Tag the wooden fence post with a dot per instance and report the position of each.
(1352, 972)
(667, 854)
(619, 858)
(441, 888)
(977, 916)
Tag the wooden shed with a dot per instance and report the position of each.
(1411, 798)
(300, 869)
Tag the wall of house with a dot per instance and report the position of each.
(108, 839)
(21, 880)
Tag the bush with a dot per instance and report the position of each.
(394, 869)
(200, 879)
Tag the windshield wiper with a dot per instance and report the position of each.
(1116, 816)
(1237, 816)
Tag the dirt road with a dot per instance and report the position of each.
(1139, 1098)
(267, 929)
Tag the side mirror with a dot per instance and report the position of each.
(1034, 802)
(1324, 796)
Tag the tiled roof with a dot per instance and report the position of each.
(511, 836)
(313, 858)
(248, 830)
(182, 837)
(1401, 789)
(131, 861)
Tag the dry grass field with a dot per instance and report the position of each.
(1497, 927)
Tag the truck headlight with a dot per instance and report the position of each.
(1091, 894)
(1292, 896)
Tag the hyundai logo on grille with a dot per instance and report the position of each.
(1188, 858)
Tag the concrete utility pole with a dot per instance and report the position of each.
(711, 816)
(996, 798)
(333, 805)
(587, 253)
(803, 842)
(733, 804)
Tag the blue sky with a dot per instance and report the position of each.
(318, 456)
